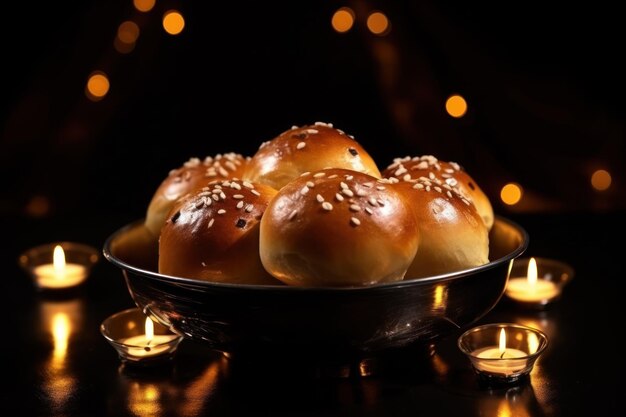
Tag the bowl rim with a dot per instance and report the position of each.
(108, 255)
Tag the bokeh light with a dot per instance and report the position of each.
(173, 22)
(97, 86)
(128, 32)
(601, 180)
(378, 23)
(144, 5)
(343, 20)
(456, 106)
(511, 193)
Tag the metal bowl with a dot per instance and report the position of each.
(334, 322)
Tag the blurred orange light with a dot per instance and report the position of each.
(343, 20)
(511, 193)
(144, 5)
(121, 47)
(173, 22)
(38, 206)
(378, 23)
(456, 106)
(97, 86)
(128, 32)
(601, 180)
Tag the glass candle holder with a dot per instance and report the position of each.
(60, 265)
(537, 282)
(137, 339)
(502, 353)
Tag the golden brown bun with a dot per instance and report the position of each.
(452, 234)
(188, 178)
(307, 149)
(213, 234)
(451, 173)
(338, 227)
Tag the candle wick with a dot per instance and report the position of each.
(503, 352)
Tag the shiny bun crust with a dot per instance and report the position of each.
(452, 234)
(307, 149)
(338, 227)
(185, 179)
(451, 173)
(213, 235)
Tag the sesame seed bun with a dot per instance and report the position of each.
(213, 234)
(451, 173)
(338, 227)
(452, 235)
(306, 149)
(187, 178)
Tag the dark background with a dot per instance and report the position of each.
(543, 80)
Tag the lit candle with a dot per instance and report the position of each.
(147, 344)
(59, 274)
(507, 360)
(530, 288)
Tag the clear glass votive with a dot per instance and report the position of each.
(502, 353)
(60, 265)
(137, 339)
(537, 282)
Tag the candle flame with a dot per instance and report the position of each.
(502, 345)
(149, 327)
(532, 272)
(58, 260)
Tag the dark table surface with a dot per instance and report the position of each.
(73, 371)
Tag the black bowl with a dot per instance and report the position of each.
(333, 322)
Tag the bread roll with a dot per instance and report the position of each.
(213, 234)
(306, 149)
(452, 235)
(451, 173)
(186, 179)
(338, 227)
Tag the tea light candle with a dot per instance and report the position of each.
(123, 331)
(493, 359)
(535, 288)
(49, 268)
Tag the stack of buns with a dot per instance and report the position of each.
(312, 209)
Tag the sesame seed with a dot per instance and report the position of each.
(249, 208)
(369, 210)
(230, 165)
(240, 204)
(294, 127)
(319, 175)
(466, 201)
(221, 211)
(312, 131)
(235, 185)
(438, 189)
(367, 184)
(199, 203)
(237, 196)
(304, 174)
(431, 176)
(355, 207)
(400, 171)
(211, 223)
(347, 192)
(418, 186)
(449, 193)
(222, 172)
(380, 202)
(333, 176)
(255, 192)
(407, 177)
(349, 177)
(327, 206)
(203, 264)
(304, 190)
(361, 193)
(300, 145)
(343, 185)
(372, 201)
(339, 197)
(428, 188)
(421, 165)
(310, 184)
(247, 184)
(223, 196)
(355, 221)
(215, 197)
(319, 198)
(293, 214)
(380, 187)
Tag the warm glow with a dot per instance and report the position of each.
(143, 399)
(97, 86)
(601, 180)
(511, 193)
(144, 5)
(60, 334)
(532, 272)
(456, 106)
(149, 328)
(502, 344)
(440, 296)
(378, 23)
(343, 20)
(128, 32)
(173, 22)
(533, 343)
(58, 260)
